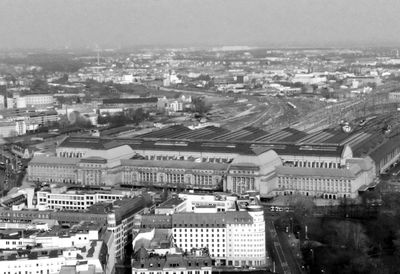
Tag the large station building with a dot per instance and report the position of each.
(328, 164)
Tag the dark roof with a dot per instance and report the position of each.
(205, 133)
(227, 147)
(308, 150)
(234, 147)
(97, 160)
(385, 149)
(219, 219)
(171, 203)
(127, 207)
(289, 135)
(244, 134)
(83, 142)
(130, 100)
(156, 220)
(143, 260)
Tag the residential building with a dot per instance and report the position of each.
(225, 235)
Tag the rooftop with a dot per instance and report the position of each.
(175, 164)
(143, 260)
(219, 219)
(130, 100)
(319, 172)
(171, 203)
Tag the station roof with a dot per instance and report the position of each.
(385, 149)
(84, 142)
(168, 132)
(244, 134)
(205, 133)
(197, 146)
(308, 150)
(130, 100)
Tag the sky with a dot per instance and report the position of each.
(126, 23)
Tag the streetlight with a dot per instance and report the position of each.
(291, 224)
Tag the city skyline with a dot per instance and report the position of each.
(120, 24)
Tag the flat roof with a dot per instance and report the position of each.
(171, 203)
(53, 160)
(211, 219)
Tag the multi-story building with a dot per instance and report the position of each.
(52, 169)
(121, 222)
(233, 166)
(226, 235)
(174, 174)
(51, 261)
(118, 216)
(138, 173)
(323, 182)
(10, 128)
(39, 100)
(253, 173)
(78, 235)
(64, 199)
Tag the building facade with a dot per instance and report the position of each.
(225, 235)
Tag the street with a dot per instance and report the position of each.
(278, 247)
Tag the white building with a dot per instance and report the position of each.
(77, 200)
(51, 261)
(233, 238)
(78, 236)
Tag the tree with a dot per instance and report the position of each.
(39, 85)
(396, 243)
(200, 105)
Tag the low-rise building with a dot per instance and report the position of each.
(113, 106)
(51, 261)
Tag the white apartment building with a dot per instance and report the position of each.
(232, 238)
(38, 100)
(246, 241)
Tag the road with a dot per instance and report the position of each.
(290, 256)
(274, 250)
(278, 247)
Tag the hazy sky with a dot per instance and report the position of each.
(121, 23)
